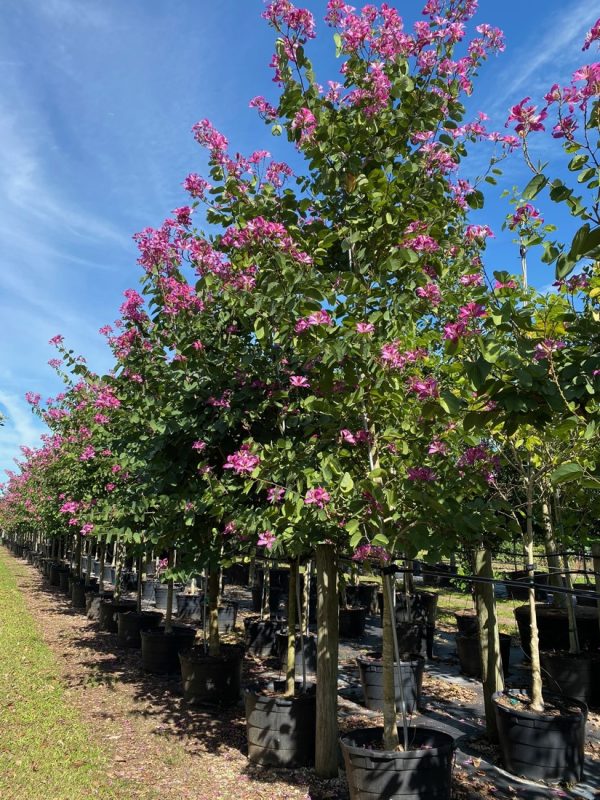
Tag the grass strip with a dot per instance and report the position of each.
(46, 751)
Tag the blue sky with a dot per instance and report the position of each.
(97, 98)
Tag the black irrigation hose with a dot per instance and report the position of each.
(391, 569)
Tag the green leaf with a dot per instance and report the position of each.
(534, 187)
(570, 471)
(346, 484)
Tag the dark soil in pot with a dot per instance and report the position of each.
(370, 670)
(469, 655)
(281, 730)
(260, 636)
(410, 637)
(422, 773)
(131, 623)
(545, 746)
(109, 609)
(567, 674)
(553, 626)
(215, 680)
(160, 650)
(352, 622)
(310, 651)
(466, 623)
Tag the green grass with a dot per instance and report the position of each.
(449, 602)
(46, 751)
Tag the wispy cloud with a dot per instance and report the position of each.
(557, 43)
(20, 428)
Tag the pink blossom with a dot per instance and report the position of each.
(33, 398)
(471, 311)
(87, 454)
(523, 215)
(422, 244)
(275, 494)
(593, 35)
(197, 345)
(370, 551)
(473, 279)
(87, 528)
(347, 436)
(56, 340)
(546, 348)
(510, 284)
(365, 327)
(478, 233)
(305, 122)
(230, 528)
(437, 447)
(265, 109)
(243, 461)
(110, 487)
(453, 331)
(199, 446)
(266, 539)
(424, 388)
(421, 474)
(526, 118)
(299, 382)
(431, 292)
(206, 135)
(196, 186)
(70, 507)
(318, 497)
(565, 128)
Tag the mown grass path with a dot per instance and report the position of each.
(46, 751)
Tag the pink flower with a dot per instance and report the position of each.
(87, 454)
(510, 284)
(424, 388)
(266, 539)
(471, 311)
(453, 331)
(206, 135)
(431, 292)
(546, 348)
(347, 436)
(265, 109)
(110, 487)
(437, 448)
(592, 35)
(474, 279)
(33, 398)
(478, 233)
(305, 122)
(370, 551)
(56, 340)
(199, 446)
(196, 186)
(275, 494)
(299, 382)
(318, 497)
(422, 244)
(243, 461)
(565, 128)
(523, 215)
(526, 118)
(230, 528)
(421, 474)
(71, 507)
(87, 528)
(365, 327)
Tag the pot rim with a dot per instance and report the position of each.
(399, 755)
(540, 714)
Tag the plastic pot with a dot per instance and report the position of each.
(410, 637)
(365, 594)
(260, 636)
(466, 623)
(469, 654)
(148, 590)
(160, 650)
(422, 773)
(553, 627)
(542, 747)
(371, 677)
(281, 730)
(275, 598)
(131, 623)
(108, 610)
(352, 622)
(215, 680)
(568, 675)
(310, 651)
(78, 590)
(190, 606)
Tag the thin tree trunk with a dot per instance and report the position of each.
(551, 555)
(306, 598)
(265, 609)
(78, 556)
(214, 642)
(118, 563)
(596, 558)
(326, 761)
(102, 560)
(140, 585)
(169, 611)
(571, 615)
(290, 674)
(252, 572)
(487, 618)
(390, 725)
(537, 699)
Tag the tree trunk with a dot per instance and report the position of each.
(596, 557)
(169, 611)
(265, 609)
(290, 673)
(390, 725)
(552, 556)
(491, 663)
(118, 563)
(326, 761)
(306, 598)
(78, 556)
(140, 584)
(573, 633)
(537, 699)
(102, 560)
(214, 642)
(252, 572)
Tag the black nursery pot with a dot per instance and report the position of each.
(160, 650)
(542, 747)
(423, 772)
(410, 637)
(466, 623)
(281, 730)
(108, 610)
(214, 680)
(275, 597)
(568, 674)
(78, 590)
(553, 627)
(131, 623)
(148, 589)
(365, 594)
(352, 622)
(260, 635)
(190, 606)
(371, 677)
(468, 650)
(63, 580)
(310, 651)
